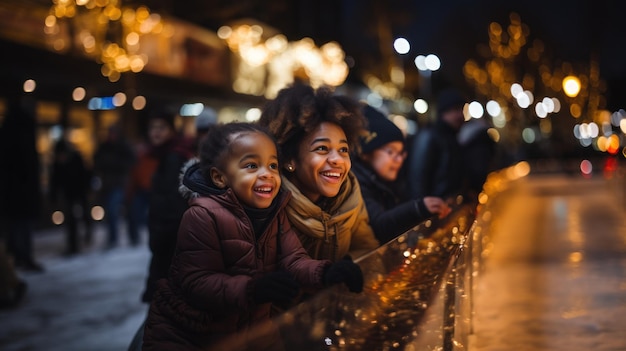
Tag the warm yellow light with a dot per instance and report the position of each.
(139, 102)
(571, 86)
(57, 217)
(97, 213)
(132, 38)
(79, 94)
(29, 86)
(575, 110)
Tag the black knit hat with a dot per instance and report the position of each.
(381, 130)
(449, 99)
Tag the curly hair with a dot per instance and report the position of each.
(298, 109)
(216, 146)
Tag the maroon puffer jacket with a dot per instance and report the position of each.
(207, 294)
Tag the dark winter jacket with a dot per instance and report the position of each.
(478, 153)
(20, 187)
(435, 164)
(389, 216)
(208, 293)
(69, 178)
(113, 161)
(165, 209)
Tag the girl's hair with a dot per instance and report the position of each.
(216, 146)
(298, 109)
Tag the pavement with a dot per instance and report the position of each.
(555, 274)
(90, 301)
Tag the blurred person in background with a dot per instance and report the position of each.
(204, 121)
(70, 181)
(316, 132)
(479, 154)
(435, 161)
(377, 168)
(166, 205)
(113, 161)
(12, 288)
(20, 187)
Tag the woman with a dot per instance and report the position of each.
(376, 168)
(316, 132)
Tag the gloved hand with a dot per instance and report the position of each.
(276, 287)
(347, 272)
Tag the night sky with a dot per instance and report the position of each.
(572, 31)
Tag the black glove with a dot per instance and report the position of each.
(347, 272)
(277, 287)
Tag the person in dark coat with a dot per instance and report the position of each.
(479, 153)
(435, 163)
(20, 185)
(165, 205)
(377, 168)
(113, 161)
(69, 185)
(236, 253)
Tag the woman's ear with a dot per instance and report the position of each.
(218, 178)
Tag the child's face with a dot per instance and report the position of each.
(159, 131)
(387, 160)
(252, 169)
(324, 162)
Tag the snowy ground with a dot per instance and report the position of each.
(87, 302)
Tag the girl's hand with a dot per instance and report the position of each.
(437, 206)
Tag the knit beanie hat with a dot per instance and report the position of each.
(206, 119)
(380, 129)
(449, 99)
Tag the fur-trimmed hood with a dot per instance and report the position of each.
(193, 184)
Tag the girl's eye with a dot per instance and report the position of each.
(344, 150)
(274, 166)
(321, 148)
(250, 165)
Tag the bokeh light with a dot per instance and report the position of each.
(475, 109)
(253, 114)
(79, 94)
(402, 46)
(97, 213)
(493, 108)
(586, 167)
(29, 86)
(139, 102)
(57, 217)
(420, 105)
(571, 86)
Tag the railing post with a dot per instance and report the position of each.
(449, 310)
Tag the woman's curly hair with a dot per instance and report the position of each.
(298, 109)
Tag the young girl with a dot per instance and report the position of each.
(235, 253)
(316, 131)
(376, 168)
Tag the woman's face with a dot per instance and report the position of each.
(323, 162)
(387, 160)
